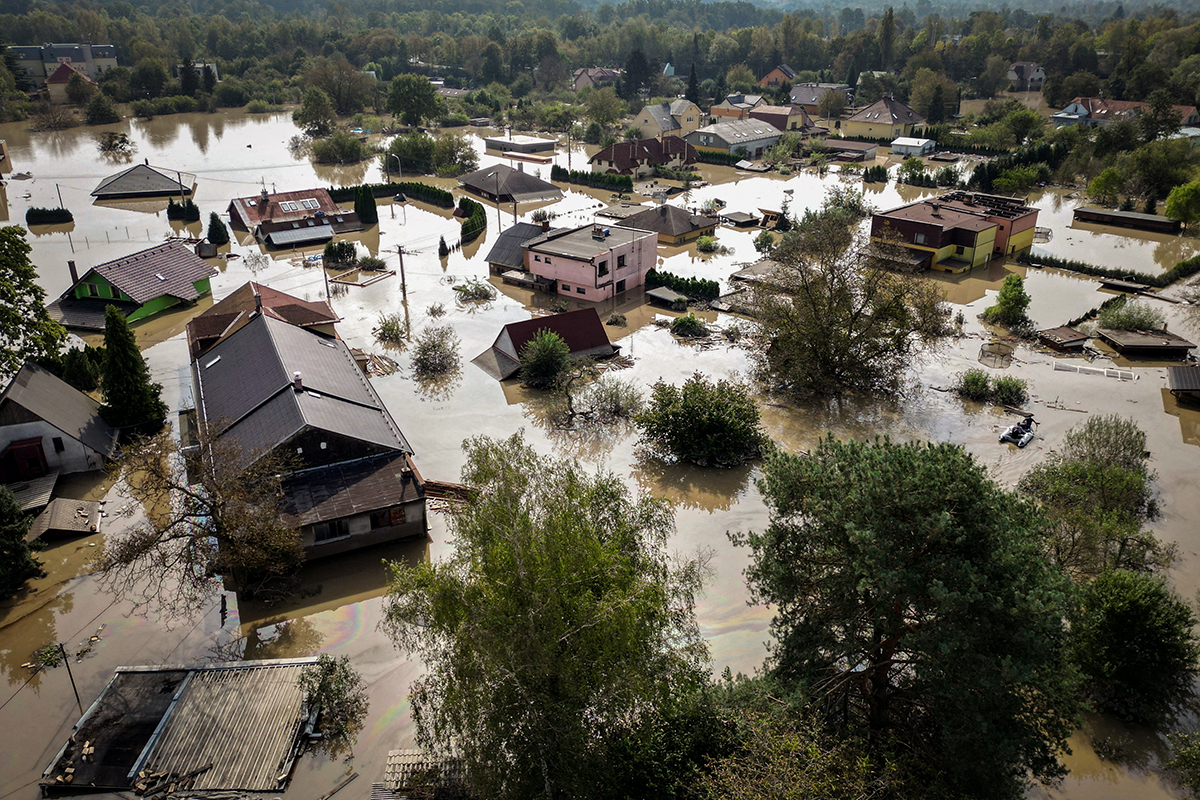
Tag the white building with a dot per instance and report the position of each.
(910, 146)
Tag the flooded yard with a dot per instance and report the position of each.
(236, 155)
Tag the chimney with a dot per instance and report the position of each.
(258, 302)
(545, 225)
(935, 209)
(264, 198)
(297, 383)
(74, 272)
(520, 166)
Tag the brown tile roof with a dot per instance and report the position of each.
(239, 306)
(349, 488)
(1099, 108)
(581, 330)
(253, 211)
(937, 214)
(170, 268)
(628, 155)
(64, 72)
(888, 110)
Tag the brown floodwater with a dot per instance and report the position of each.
(340, 607)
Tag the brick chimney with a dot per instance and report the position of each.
(297, 382)
(545, 225)
(74, 272)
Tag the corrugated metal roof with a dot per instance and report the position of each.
(287, 238)
(508, 251)
(1183, 379)
(66, 516)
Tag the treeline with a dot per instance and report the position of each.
(598, 180)
(1184, 269)
(411, 189)
(694, 288)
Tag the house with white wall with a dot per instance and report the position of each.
(592, 262)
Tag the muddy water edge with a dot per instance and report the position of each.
(234, 155)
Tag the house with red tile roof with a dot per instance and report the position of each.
(1102, 111)
(211, 327)
(641, 157)
(581, 330)
(56, 84)
(292, 219)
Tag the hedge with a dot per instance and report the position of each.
(1184, 269)
(714, 157)
(599, 180)
(1095, 312)
(417, 191)
(186, 211)
(875, 174)
(48, 216)
(694, 288)
(1050, 154)
(476, 219)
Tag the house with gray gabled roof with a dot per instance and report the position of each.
(501, 183)
(886, 118)
(678, 117)
(48, 426)
(40, 61)
(673, 225)
(508, 253)
(737, 106)
(276, 387)
(140, 285)
(749, 137)
(144, 180)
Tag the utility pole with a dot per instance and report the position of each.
(403, 282)
(325, 274)
(60, 202)
(67, 661)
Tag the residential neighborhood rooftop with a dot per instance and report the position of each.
(587, 241)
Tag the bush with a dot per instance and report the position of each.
(390, 329)
(101, 111)
(545, 359)
(704, 423)
(476, 220)
(875, 174)
(187, 211)
(695, 288)
(1011, 303)
(340, 148)
(1009, 391)
(1109, 439)
(689, 325)
(974, 384)
(417, 191)
(617, 320)
(435, 352)
(258, 107)
(48, 216)
(436, 311)
(706, 244)
(340, 253)
(218, 234)
(475, 290)
(231, 94)
(371, 264)
(1132, 316)
(1132, 638)
(1185, 760)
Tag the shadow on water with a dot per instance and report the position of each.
(1188, 415)
(688, 486)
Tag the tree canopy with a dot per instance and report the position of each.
(413, 98)
(316, 116)
(17, 563)
(914, 607)
(26, 330)
(557, 623)
(132, 402)
(545, 359)
(709, 423)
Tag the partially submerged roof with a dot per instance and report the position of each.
(665, 295)
(502, 180)
(181, 720)
(284, 205)
(581, 330)
(888, 111)
(739, 131)
(65, 516)
(34, 493)
(144, 180)
(625, 156)
(246, 385)
(349, 488)
(585, 242)
(1063, 337)
(240, 306)
(170, 268)
(1148, 341)
(1184, 379)
(60, 404)
(509, 250)
(669, 221)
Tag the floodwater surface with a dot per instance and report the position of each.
(235, 155)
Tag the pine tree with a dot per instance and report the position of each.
(17, 563)
(218, 234)
(693, 88)
(369, 213)
(131, 401)
(443, 250)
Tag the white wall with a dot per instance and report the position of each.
(75, 457)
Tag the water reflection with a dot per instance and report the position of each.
(1188, 414)
(689, 486)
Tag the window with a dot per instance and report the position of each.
(566, 288)
(620, 262)
(579, 290)
(93, 290)
(58, 444)
(537, 258)
(620, 286)
(959, 250)
(328, 531)
(919, 238)
(547, 259)
(387, 517)
(602, 268)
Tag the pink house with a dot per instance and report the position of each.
(592, 262)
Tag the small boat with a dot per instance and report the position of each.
(1021, 433)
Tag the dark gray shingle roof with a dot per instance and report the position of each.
(61, 405)
(143, 179)
(170, 268)
(508, 250)
(503, 180)
(669, 220)
(245, 384)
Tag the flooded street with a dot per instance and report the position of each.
(235, 155)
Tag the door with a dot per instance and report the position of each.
(620, 286)
(23, 460)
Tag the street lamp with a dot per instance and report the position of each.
(399, 172)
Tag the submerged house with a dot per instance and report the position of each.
(56, 83)
(503, 184)
(144, 180)
(292, 219)
(673, 225)
(640, 158)
(582, 331)
(48, 427)
(591, 262)
(250, 299)
(276, 387)
(140, 285)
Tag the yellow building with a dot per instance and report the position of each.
(885, 119)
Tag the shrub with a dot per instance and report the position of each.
(436, 310)
(689, 325)
(544, 360)
(1132, 638)
(1131, 316)
(371, 264)
(617, 320)
(101, 110)
(695, 288)
(187, 211)
(875, 174)
(1011, 303)
(1185, 760)
(475, 290)
(764, 243)
(443, 248)
(339, 253)
(340, 148)
(417, 191)
(599, 180)
(706, 244)
(230, 94)
(390, 329)
(258, 107)
(48, 216)
(704, 423)
(1108, 439)
(974, 384)
(218, 234)
(1009, 391)
(435, 352)
(476, 219)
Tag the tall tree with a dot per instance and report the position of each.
(556, 624)
(189, 78)
(887, 40)
(413, 99)
(218, 234)
(132, 402)
(208, 79)
(316, 116)
(914, 607)
(693, 87)
(26, 330)
(17, 563)
(637, 74)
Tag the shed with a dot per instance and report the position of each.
(189, 720)
(739, 219)
(581, 330)
(65, 517)
(1184, 382)
(1128, 219)
(144, 180)
(911, 146)
(1146, 343)
(1063, 338)
(665, 296)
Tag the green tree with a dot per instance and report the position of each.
(315, 116)
(1108, 185)
(132, 402)
(1134, 641)
(1011, 303)
(887, 40)
(693, 87)
(831, 105)
(101, 110)
(557, 623)
(637, 75)
(334, 688)
(454, 154)
(218, 234)
(1183, 203)
(189, 78)
(1185, 760)
(603, 106)
(80, 89)
(27, 333)
(80, 369)
(1161, 118)
(208, 79)
(413, 99)
(702, 422)
(415, 151)
(545, 359)
(148, 78)
(364, 205)
(17, 563)
(913, 607)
